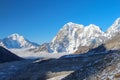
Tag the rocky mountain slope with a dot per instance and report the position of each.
(99, 67)
(17, 41)
(104, 68)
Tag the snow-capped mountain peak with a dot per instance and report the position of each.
(115, 26)
(18, 41)
(72, 25)
(117, 21)
(93, 27)
(73, 35)
(16, 37)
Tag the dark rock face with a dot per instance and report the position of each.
(7, 56)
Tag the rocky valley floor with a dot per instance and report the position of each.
(102, 66)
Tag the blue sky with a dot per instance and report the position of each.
(40, 20)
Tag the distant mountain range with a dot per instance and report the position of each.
(17, 41)
(72, 38)
(77, 38)
(101, 60)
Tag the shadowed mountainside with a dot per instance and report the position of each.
(7, 56)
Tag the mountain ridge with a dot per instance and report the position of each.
(72, 36)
